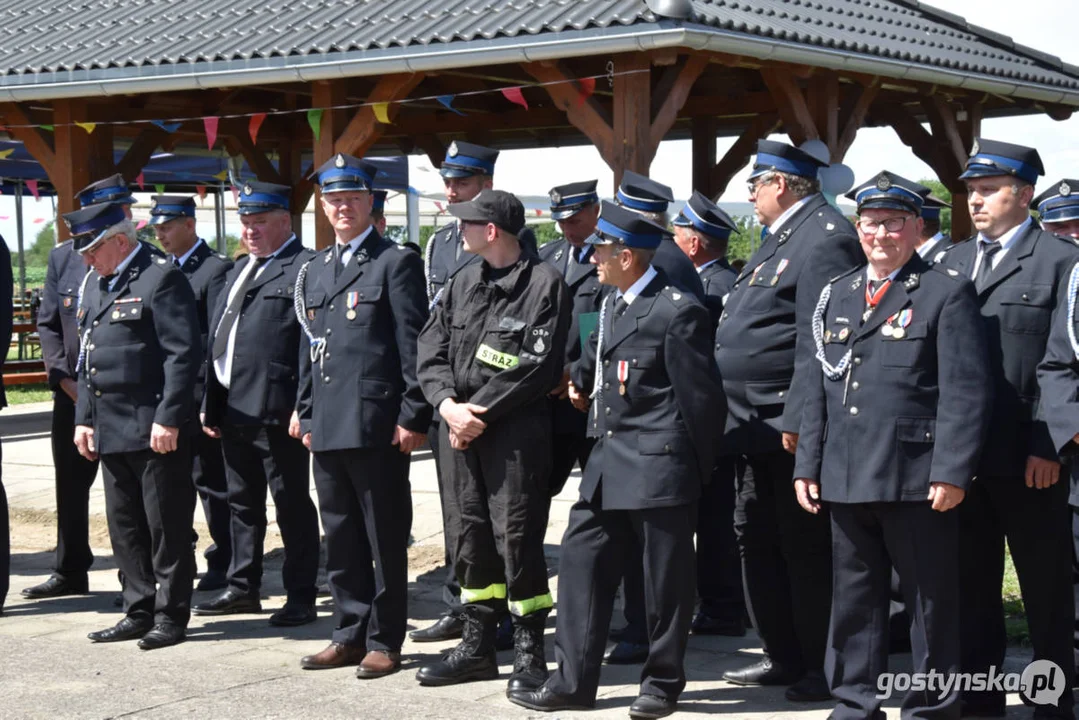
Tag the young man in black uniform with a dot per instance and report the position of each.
(1020, 273)
(254, 364)
(933, 240)
(702, 231)
(173, 220)
(137, 365)
(895, 417)
(362, 413)
(656, 409)
(491, 352)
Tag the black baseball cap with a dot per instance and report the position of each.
(492, 206)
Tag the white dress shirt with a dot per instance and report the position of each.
(638, 287)
(1007, 240)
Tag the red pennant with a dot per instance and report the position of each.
(588, 86)
(514, 95)
(539, 213)
(141, 225)
(38, 221)
(141, 180)
(439, 206)
(201, 190)
(235, 194)
(31, 185)
(254, 125)
(210, 124)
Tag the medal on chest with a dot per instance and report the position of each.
(623, 376)
(779, 270)
(894, 327)
(351, 301)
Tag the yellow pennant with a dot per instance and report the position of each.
(223, 175)
(382, 112)
(88, 127)
(5, 154)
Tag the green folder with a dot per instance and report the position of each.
(587, 323)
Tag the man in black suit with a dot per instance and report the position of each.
(656, 406)
(362, 304)
(137, 364)
(58, 330)
(1020, 272)
(490, 354)
(255, 359)
(895, 417)
(7, 312)
(763, 347)
(702, 231)
(933, 241)
(575, 207)
(173, 220)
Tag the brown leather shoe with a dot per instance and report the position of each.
(335, 655)
(379, 663)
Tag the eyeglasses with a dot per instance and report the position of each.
(891, 225)
(755, 184)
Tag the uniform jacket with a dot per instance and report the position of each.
(365, 384)
(914, 409)
(497, 343)
(1058, 380)
(656, 443)
(1017, 308)
(440, 258)
(937, 245)
(718, 279)
(7, 309)
(142, 354)
(206, 271)
(269, 348)
(56, 323)
(679, 269)
(763, 339)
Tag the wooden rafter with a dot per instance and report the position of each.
(672, 96)
(855, 119)
(793, 109)
(739, 153)
(136, 157)
(34, 139)
(239, 143)
(588, 115)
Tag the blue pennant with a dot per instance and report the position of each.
(447, 101)
(167, 127)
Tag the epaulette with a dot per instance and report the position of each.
(828, 224)
(947, 271)
(842, 275)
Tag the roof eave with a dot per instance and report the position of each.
(476, 53)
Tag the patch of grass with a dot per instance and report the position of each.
(23, 394)
(1015, 619)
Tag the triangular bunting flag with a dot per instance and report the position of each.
(254, 124)
(314, 119)
(31, 185)
(447, 102)
(5, 154)
(141, 179)
(235, 194)
(88, 127)
(222, 176)
(514, 95)
(588, 86)
(160, 188)
(50, 128)
(210, 124)
(141, 224)
(38, 221)
(439, 206)
(382, 112)
(167, 127)
(201, 190)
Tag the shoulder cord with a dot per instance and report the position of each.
(84, 336)
(1073, 290)
(832, 372)
(299, 306)
(428, 260)
(599, 362)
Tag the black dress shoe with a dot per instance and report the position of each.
(546, 700)
(708, 625)
(448, 627)
(162, 635)
(626, 653)
(126, 629)
(212, 580)
(293, 615)
(764, 672)
(56, 586)
(811, 688)
(652, 706)
(230, 602)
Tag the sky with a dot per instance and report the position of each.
(1044, 24)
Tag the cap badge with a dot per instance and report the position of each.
(975, 149)
(339, 161)
(248, 189)
(1065, 189)
(452, 152)
(556, 197)
(883, 183)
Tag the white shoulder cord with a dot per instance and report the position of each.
(1073, 290)
(599, 363)
(299, 306)
(832, 372)
(84, 336)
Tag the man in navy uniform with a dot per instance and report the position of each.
(57, 328)
(173, 220)
(362, 413)
(575, 207)
(702, 230)
(113, 189)
(7, 311)
(657, 409)
(763, 346)
(255, 357)
(1058, 208)
(466, 171)
(933, 240)
(491, 352)
(896, 411)
(137, 365)
(1020, 272)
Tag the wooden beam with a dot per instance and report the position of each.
(329, 93)
(941, 116)
(924, 145)
(36, 141)
(791, 102)
(855, 119)
(239, 143)
(138, 155)
(588, 116)
(823, 102)
(364, 128)
(674, 98)
(704, 154)
(739, 153)
(71, 172)
(633, 148)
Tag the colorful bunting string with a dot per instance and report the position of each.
(141, 179)
(588, 86)
(31, 185)
(166, 126)
(140, 225)
(514, 95)
(382, 112)
(314, 119)
(447, 102)
(254, 125)
(5, 154)
(87, 126)
(160, 187)
(210, 124)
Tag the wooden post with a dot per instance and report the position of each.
(704, 154)
(969, 128)
(327, 93)
(632, 115)
(71, 171)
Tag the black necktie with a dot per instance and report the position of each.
(177, 263)
(620, 306)
(105, 283)
(232, 312)
(985, 269)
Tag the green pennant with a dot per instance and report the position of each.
(160, 189)
(314, 119)
(50, 128)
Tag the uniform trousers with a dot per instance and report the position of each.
(451, 527)
(1075, 577)
(719, 569)
(5, 540)
(257, 458)
(1036, 524)
(868, 539)
(786, 563)
(593, 560)
(74, 477)
(208, 474)
(150, 507)
(365, 500)
(498, 493)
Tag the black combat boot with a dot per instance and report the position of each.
(529, 659)
(473, 658)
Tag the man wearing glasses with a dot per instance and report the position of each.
(763, 347)
(896, 412)
(1021, 273)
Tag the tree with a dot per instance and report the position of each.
(745, 240)
(44, 242)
